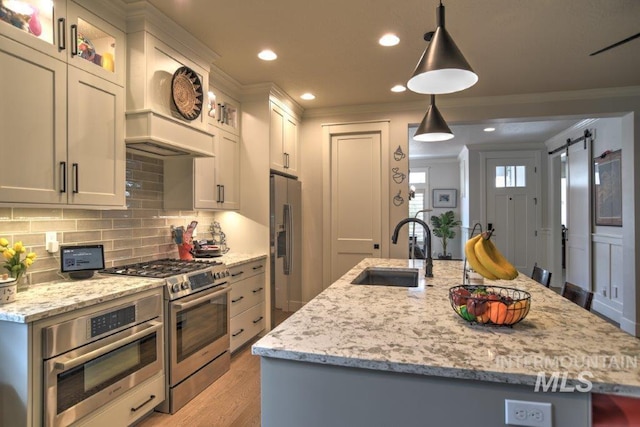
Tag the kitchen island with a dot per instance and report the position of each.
(361, 355)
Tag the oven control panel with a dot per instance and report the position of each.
(112, 320)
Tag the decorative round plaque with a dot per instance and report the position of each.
(186, 93)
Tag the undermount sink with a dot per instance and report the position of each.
(407, 277)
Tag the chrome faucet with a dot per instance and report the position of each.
(428, 266)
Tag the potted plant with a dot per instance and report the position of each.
(443, 227)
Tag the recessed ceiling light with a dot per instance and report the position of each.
(308, 96)
(389, 40)
(267, 55)
(489, 129)
(398, 88)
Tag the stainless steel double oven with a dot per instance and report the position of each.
(197, 315)
(94, 359)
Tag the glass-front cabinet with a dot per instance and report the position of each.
(67, 31)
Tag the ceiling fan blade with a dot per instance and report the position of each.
(628, 39)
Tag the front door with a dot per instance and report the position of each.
(512, 208)
(355, 200)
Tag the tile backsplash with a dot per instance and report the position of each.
(140, 232)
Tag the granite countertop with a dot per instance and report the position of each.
(49, 299)
(231, 259)
(415, 331)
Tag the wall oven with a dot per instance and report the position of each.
(91, 360)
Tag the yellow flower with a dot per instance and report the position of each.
(19, 248)
(9, 253)
(4, 242)
(32, 256)
(28, 261)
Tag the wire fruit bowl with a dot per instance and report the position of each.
(490, 305)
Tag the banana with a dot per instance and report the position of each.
(491, 258)
(472, 259)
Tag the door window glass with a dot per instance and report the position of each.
(511, 176)
(96, 46)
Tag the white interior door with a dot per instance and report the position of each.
(512, 208)
(355, 200)
(578, 253)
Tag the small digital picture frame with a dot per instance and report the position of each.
(80, 262)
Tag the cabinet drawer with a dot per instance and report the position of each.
(247, 325)
(247, 293)
(242, 271)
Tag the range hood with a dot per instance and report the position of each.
(153, 134)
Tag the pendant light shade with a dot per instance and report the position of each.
(442, 67)
(433, 127)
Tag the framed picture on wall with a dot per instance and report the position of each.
(607, 189)
(445, 198)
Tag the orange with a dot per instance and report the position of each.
(497, 312)
(515, 312)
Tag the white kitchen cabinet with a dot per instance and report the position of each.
(247, 301)
(283, 140)
(227, 167)
(62, 131)
(205, 183)
(607, 276)
(70, 32)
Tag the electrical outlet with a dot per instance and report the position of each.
(50, 236)
(530, 414)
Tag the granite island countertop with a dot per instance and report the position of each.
(415, 331)
(53, 298)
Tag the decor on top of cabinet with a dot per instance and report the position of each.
(184, 239)
(443, 227)
(8, 290)
(186, 93)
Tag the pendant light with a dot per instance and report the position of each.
(433, 127)
(442, 67)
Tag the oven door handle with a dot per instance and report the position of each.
(185, 305)
(65, 365)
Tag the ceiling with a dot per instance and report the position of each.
(330, 47)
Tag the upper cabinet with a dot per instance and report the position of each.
(206, 183)
(63, 116)
(283, 139)
(69, 32)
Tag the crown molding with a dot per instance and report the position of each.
(142, 16)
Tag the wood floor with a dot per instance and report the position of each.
(233, 400)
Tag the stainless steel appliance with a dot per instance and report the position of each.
(197, 324)
(286, 246)
(92, 360)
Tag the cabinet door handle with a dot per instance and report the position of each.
(76, 184)
(62, 34)
(255, 291)
(217, 194)
(237, 274)
(63, 177)
(238, 299)
(257, 267)
(258, 319)
(137, 408)
(222, 186)
(219, 112)
(74, 40)
(237, 333)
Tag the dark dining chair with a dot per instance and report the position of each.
(578, 295)
(541, 275)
